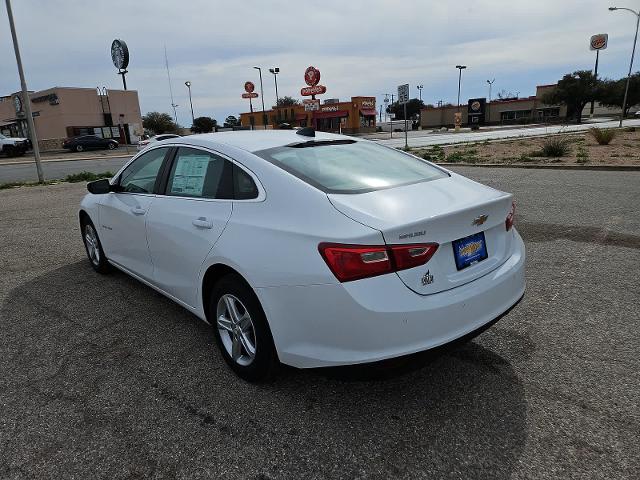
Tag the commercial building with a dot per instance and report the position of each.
(355, 116)
(500, 112)
(62, 112)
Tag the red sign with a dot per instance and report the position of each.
(249, 87)
(312, 76)
(250, 95)
(315, 90)
(599, 42)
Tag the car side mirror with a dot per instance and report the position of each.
(99, 187)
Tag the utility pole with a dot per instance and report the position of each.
(460, 68)
(633, 52)
(490, 82)
(264, 119)
(420, 87)
(26, 100)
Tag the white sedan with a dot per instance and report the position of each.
(309, 249)
(142, 144)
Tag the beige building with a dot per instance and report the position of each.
(500, 112)
(62, 112)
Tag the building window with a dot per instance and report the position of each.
(513, 115)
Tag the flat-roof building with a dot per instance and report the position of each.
(62, 112)
(355, 116)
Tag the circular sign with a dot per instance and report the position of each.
(475, 106)
(249, 87)
(120, 54)
(599, 42)
(312, 76)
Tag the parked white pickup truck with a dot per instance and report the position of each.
(13, 147)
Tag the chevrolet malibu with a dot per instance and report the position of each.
(306, 248)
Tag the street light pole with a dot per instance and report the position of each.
(276, 71)
(26, 100)
(420, 87)
(490, 82)
(633, 52)
(264, 121)
(460, 68)
(193, 118)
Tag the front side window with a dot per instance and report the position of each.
(199, 174)
(140, 176)
(346, 166)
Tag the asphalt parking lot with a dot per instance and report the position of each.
(101, 377)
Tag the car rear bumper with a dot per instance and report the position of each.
(379, 318)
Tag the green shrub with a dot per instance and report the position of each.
(86, 176)
(582, 156)
(603, 136)
(466, 156)
(555, 147)
(434, 154)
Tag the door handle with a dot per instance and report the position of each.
(202, 222)
(138, 210)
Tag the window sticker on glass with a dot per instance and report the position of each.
(189, 175)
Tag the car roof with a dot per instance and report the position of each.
(256, 140)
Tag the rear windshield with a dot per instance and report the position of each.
(350, 166)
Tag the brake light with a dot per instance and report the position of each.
(353, 262)
(508, 223)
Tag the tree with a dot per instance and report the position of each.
(287, 101)
(611, 92)
(203, 125)
(159, 122)
(574, 90)
(231, 121)
(506, 95)
(413, 108)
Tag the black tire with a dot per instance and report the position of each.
(79, 148)
(99, 263)
(10, 152)
(265, 362)
(112, 146)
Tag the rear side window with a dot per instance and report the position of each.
(350, 166)
(243, 185)
(199, 174)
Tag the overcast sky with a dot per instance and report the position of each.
(361, 47)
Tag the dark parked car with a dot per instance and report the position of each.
(89, 142)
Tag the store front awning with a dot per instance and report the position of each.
(368, 112)
(335, 114)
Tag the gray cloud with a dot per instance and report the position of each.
(361, 47)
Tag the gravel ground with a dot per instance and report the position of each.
(101, 377)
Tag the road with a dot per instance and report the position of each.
(101, 377)
(56, 170)
(423, 138)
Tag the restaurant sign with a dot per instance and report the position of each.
(311, 105)
(312, 78)
(599, 42)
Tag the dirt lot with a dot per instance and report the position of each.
(581, 148)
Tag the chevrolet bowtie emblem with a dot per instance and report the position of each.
(480, 220)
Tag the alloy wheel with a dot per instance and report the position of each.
(91, 241)
(236, 329)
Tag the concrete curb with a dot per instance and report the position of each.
(612, 168)
(74, 159)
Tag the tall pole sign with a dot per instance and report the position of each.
(249, 93)
(597, 42)
(403, 98)
(120, 58)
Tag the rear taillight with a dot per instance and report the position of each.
(508, 223)
(353, 262)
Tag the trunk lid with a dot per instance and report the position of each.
(440, 211)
